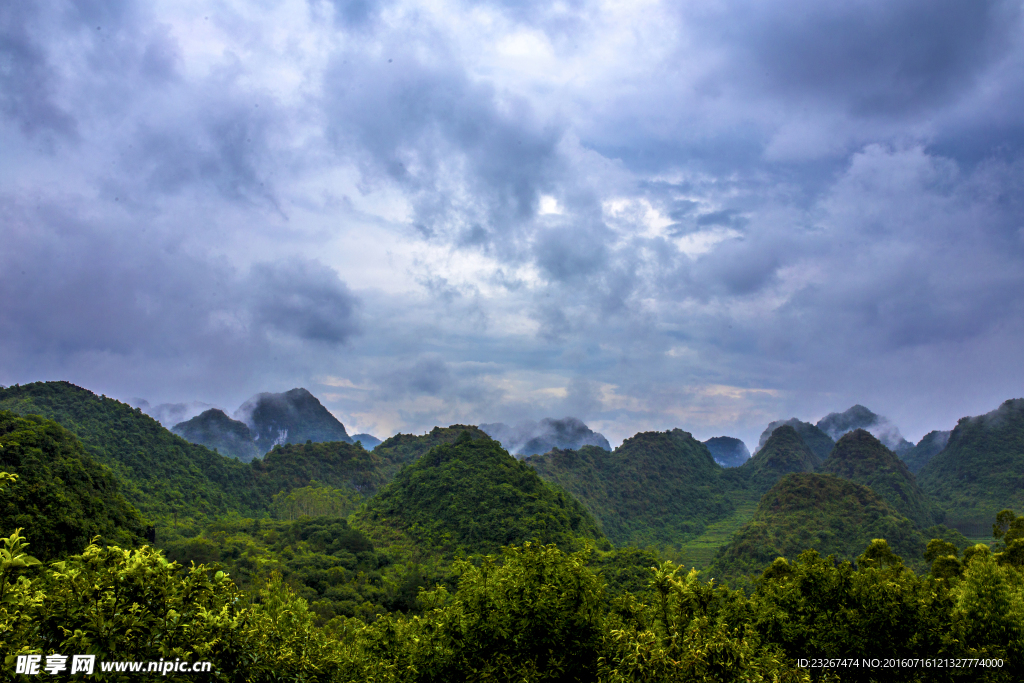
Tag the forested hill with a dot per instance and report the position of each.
(471, 495)
(656, 488)
(818, 441)
(784, 453)
(819, 511)
(62, 497)
(161, 474)
(860, 457)
(981, 469)
(166, 477)
(403, 449)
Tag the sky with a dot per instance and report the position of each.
(647, 215)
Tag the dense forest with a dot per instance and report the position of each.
(441, 557)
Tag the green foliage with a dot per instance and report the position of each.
(170, 480)
(820, 512)
(314, 501)
(122, 605)
(657, 488)
(473, 496)
(60, 494)
(784, 453)
(689, 631)
(981, 470)
(332, 566)
(817, 607)
(860, 457)
(337, 464)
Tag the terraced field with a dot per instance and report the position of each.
(699, 552)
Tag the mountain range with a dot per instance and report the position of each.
(457, 489)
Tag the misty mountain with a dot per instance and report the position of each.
(294, 416)
(532, 438)
(981, 469)
(728, 451)
(859, 417)
(860, 457)
(170, 414)
(927, 448)
(215, 430)
(818, 441)
(368, 440)
(784, 453)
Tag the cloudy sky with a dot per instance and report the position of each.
(705, 215)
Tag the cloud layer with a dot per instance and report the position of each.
(646, 216)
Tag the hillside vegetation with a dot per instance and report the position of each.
(62, 496)
(981, 469)
(160, 473)
(860, 457)
(656, 488)
(473, 496)
(819, 512)
(784, 453)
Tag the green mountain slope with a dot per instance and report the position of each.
(818, 441)
(402, 449)
(160, 473)
(295, 416)
(860, 457)
(336, 463)
(62, 496)
(473, 496)
(215, 430)
(981, 469)
(784, 453)
(819, 511)
(656, 488)
(927, 448)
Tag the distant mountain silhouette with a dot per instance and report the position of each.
(728, 451)
(215, 430)
(368, 440)
(294, 416)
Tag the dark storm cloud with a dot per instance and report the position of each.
(304, 299)
(888, 58)
(76, 289)
(680, 213)
(28, 81)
